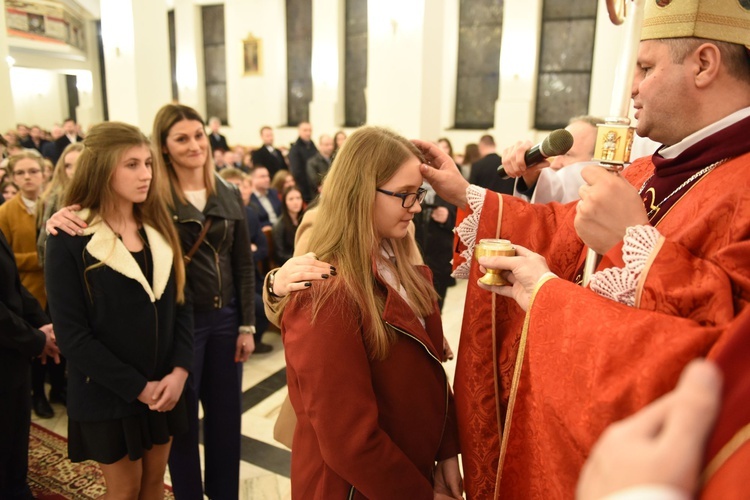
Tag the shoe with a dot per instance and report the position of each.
(59, 397)
(261, 348)
(41, 407)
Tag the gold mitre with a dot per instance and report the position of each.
(722, 20)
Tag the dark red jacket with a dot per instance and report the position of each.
(366, 428)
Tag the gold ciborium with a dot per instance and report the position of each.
(492, 248)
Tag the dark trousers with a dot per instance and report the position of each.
(261, 322)
(216, 380)
(15, 420)
(39, 373)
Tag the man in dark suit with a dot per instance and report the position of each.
(25, 332)
(49, 149)
(302, 150)
(484, 171)
(35, 140)
(70, 136)
(265, 199)
(267, 155)
(218, 141)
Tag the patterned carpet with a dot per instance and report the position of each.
(53, 477)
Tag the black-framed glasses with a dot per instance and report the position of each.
(407, 199)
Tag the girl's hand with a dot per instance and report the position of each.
(168, 390)
(147, 393)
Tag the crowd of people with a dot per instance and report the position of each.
(147, 271)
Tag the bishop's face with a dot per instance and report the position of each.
(662, 92)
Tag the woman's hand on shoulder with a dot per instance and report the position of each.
(168, 390)
(66, 220)
(298, 272)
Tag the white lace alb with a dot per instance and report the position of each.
(620, 284)
(467, 230)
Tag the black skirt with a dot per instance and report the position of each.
(109, 441)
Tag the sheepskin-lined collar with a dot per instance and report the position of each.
(106, 247)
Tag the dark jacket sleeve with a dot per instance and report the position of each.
(243, 269)
(280, 245)
(19, 332)
(256, 235)
(182, 354)
(68, 305)
(20, 313)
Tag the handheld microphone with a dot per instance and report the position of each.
(557, 143)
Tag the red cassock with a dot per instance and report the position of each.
(586, 361)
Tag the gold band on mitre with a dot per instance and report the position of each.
(721, 20)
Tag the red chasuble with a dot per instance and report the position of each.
(550, 381)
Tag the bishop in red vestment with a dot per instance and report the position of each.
(536, 387)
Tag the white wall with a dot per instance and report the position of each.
(39, 96)
(43, 64)
(260, 100)
(413, 50)
(137, 66)
(411, 69)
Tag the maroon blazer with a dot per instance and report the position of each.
(366, 428)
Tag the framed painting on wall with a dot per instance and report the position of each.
(252, 53)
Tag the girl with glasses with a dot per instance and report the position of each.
(374, 408)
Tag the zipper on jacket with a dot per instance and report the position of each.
(218, 275)
(445, 375)
(156, 340)
(217, 259)
(417, 340)
(216, 255)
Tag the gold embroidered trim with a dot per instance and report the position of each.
(516, 381)
(495, 368)
(734, 444)
(642, 278)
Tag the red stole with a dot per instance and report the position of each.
(671, 173)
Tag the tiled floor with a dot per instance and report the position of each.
(264, 469)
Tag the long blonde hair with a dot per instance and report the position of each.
(91, 186)
(56, 187)
(165, 119)
(346, 235)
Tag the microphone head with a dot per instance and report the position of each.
(557, 143)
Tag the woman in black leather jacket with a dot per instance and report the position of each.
(220, 287)
(220, 281)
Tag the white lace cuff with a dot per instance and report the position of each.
(467, 230)
(619, 284)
